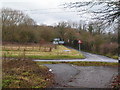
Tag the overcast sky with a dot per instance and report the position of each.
(48, 12)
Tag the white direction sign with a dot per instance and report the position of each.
(61, 42)
(54, 42)
(79, 41)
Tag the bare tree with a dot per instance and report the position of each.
(61, 30)
(96, 27)
(14, 23)
(15, 17)
(107, 11)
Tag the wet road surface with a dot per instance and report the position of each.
(63, 73)
(67, 75)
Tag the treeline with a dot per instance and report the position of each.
(20, 28)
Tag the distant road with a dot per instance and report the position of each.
(89, 57)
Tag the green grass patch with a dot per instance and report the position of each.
(115, 57)
(47, 57)
(55, 57)
(83, 63)
(94, 63)
(112, 56)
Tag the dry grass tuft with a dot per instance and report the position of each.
(25, 74)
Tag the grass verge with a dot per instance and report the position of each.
(25, 74)
(48, 57)
(112, 56)
(82, 63)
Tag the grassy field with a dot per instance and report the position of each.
(41, 52)
(25, 74)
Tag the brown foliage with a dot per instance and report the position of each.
(110, 48)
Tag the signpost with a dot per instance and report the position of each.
(61, 42)
(79, 42)
(57, 41)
